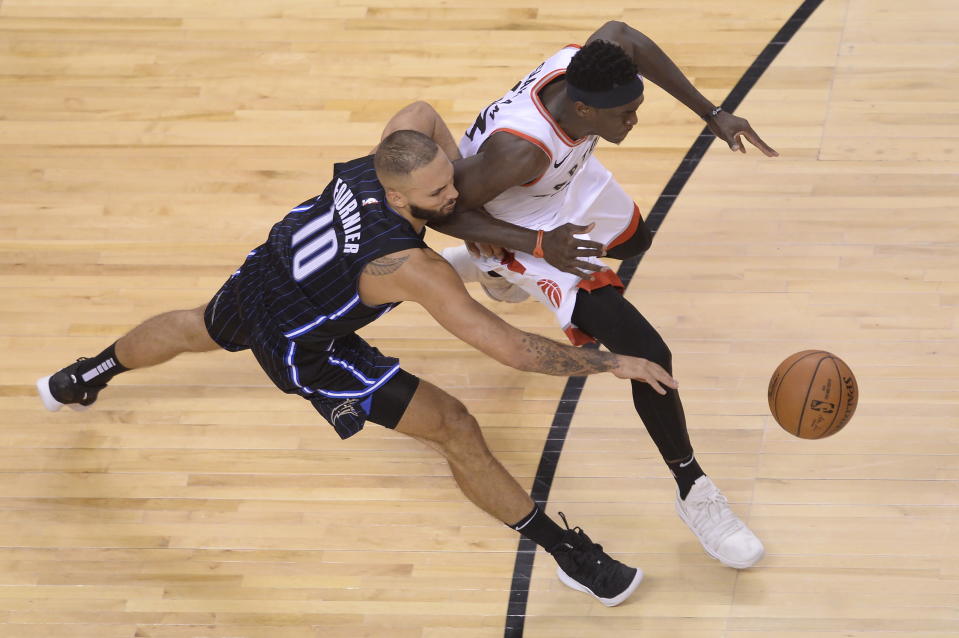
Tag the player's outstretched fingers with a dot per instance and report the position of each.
(660, 375)
(757, 141)
(646, 371)
(586, 247)
(566, 252)
(738, 143)
(657, 377)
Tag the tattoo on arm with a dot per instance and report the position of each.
(551, 357)
(385, 265)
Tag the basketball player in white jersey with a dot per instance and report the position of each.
(528, 160)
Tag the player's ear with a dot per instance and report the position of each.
(583, 110)
(395, 198)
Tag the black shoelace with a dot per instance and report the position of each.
(589, 561)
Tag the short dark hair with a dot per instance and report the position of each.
(402, 152)
(600, 66)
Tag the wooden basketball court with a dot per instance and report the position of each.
(145, 147)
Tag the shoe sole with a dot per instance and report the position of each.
(727, 563)
(43, 387)
(509, 295)
(609, 602)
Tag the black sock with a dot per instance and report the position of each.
(685, 471)
(540, 528)
(100, 369)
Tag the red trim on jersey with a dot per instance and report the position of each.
(602, 279)
(529, 138)
(577, 337)
(630, 230)
(534, 97)
(511, 264)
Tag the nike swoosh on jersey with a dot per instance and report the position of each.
(559, 163)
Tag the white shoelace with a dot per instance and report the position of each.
(711, 516)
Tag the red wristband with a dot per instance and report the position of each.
(538, 250)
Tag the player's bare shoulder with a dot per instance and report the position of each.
(401, 276)
(505, 160)
(386, 265)
(517, 153)
(415, 259)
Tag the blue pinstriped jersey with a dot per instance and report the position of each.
(308, 269)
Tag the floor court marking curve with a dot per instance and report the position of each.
(546, 470)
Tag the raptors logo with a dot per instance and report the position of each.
(551, 289)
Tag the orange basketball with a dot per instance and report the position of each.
(813, 394)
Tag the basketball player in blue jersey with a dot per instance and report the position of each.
(339, 261)
(528, 160)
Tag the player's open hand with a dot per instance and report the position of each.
(732, 129)
(646, 371)
(563, 250)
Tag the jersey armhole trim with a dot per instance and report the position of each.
(532, 140)
(544, 112)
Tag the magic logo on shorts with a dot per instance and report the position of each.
(551, 289)
(346, 408)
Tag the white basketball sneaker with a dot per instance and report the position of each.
(723, 534)
(496, 288)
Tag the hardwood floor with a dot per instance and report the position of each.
(146, 147)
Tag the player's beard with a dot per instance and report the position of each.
(429, 214)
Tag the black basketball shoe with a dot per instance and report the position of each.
(67, 387)
(584, 566)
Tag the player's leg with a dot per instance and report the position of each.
(633, 244)
(160, 338)
(494, 286)
(442, 422)
(154, 341)
(608, 317)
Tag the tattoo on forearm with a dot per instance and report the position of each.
(555, 358)
(385, 265)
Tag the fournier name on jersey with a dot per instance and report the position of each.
(315, 244)
(346, 206)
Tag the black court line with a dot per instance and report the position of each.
(545, 472)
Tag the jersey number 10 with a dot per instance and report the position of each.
(316, 253)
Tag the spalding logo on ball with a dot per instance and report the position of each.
(813, 394)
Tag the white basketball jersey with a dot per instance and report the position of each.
(542, 203)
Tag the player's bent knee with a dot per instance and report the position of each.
(443, 422)
(457, 421)
(639, 243)
(660, 353)
(459, 432)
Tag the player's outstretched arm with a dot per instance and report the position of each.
(655, 65)
(425, 277)
(422, 117)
